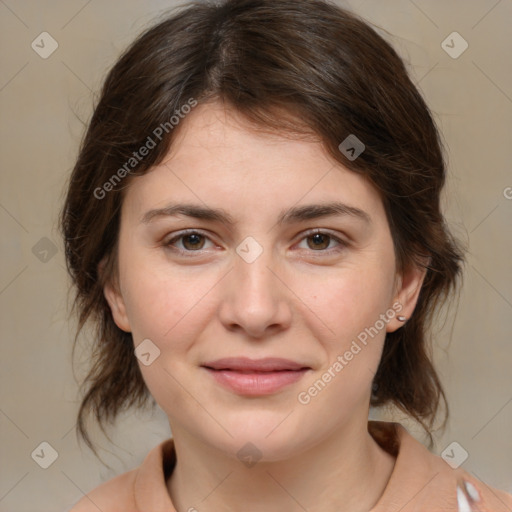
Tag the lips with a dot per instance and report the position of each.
(258, 377)
(244, 364)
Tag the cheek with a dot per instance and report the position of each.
(157, 306)
(167, 305)
(347, 302)
(171, 311)
(350, 304)
(351, 307)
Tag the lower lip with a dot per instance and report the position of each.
(258, 383)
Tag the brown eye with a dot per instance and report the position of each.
(188, 242)
(318, 241)
(322, 243)
(193, 241)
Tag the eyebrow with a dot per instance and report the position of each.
(293, 215)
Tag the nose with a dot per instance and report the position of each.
(255, 300)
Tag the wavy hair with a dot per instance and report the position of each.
(291, 66)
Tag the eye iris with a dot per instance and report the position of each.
(320, 241)
(195, 239)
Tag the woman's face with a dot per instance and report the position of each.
(254, 281)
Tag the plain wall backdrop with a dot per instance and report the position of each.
(44, 102)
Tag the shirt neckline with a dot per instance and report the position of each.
(150, 486)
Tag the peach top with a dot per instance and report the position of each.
(420, 481)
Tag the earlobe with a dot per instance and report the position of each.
(408, 290)
(115, 301)
(117, 306)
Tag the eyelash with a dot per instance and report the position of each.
(190, 253)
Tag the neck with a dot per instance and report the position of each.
(347, 471)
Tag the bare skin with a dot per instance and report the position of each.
(304, 298)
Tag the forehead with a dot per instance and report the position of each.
(219, 159)
(219, 131)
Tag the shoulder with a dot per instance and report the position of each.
(422, 481)
(114, 495)
(456, 489)
(143, 488)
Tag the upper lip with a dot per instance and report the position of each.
(267, 364)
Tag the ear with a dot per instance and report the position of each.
(407, 291)
(115, 300)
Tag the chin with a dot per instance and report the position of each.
(262, 434)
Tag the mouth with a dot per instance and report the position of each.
(258, 377)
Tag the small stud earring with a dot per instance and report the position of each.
(401, 318)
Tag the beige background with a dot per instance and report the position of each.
(43, 103)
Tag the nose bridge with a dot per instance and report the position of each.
(255, 277)
(255, 283)
(255, 298)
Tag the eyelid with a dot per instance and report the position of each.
(341, 242)
(167, 242)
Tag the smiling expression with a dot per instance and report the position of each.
(249, 245)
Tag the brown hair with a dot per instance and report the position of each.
(332, 75)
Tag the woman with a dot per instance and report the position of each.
(253, 223)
